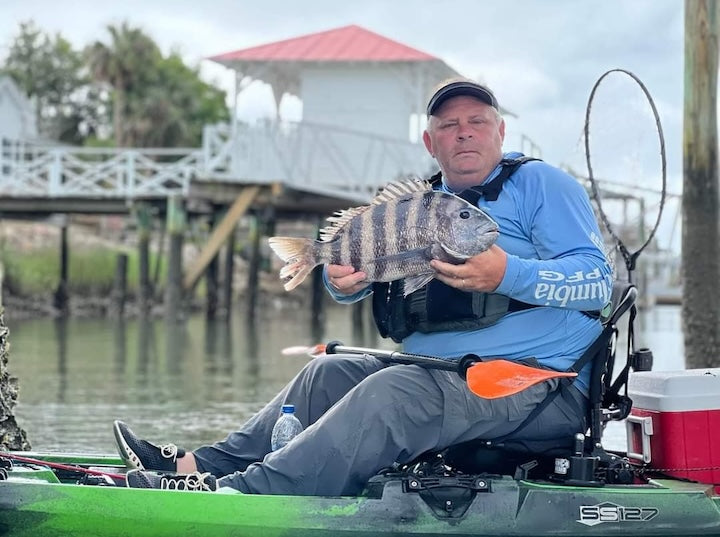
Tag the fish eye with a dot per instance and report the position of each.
(464, 214)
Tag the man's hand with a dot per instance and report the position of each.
(346, 279)
(483, 272)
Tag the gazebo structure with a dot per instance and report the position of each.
(363, 110)
(347, 77)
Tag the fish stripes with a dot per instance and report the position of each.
(394, 237)
(381, 224)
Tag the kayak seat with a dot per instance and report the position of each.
(576, 458)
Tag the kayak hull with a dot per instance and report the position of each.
(31, 504)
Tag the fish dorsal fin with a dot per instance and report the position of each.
(339, 220)
(399, 189)
(391, 191)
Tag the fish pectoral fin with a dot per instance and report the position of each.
(413, 283)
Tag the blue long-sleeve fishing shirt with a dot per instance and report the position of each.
(555, 258)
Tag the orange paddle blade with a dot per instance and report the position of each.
(500, 378)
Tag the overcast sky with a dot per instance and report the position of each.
(541, 57)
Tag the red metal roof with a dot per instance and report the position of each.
(349, 43)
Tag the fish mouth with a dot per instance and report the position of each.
(491, 236)
(491, 231)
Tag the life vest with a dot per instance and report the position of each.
(437, 307)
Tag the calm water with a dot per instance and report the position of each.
(192, 384)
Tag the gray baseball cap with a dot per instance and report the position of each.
(461, 87)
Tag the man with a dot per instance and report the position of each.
(538, 287)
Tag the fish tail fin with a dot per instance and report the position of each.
(299, 258)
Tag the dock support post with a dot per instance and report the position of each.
(119, 291)
(60, 297)
(143, 219)
(176, 220)
(317, 300)
(229, 271)
(701, 189)
(211, 282)
(256, 231)
(317, 328)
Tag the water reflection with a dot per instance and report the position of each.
(191, 383)
(60, 325)
(218, 348)
(120, 344)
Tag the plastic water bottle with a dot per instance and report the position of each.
(286, 427)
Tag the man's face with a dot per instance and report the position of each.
(465, 136)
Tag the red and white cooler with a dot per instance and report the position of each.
(674, 425)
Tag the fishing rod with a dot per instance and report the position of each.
(60, 466)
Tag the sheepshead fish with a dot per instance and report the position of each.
(394, 237)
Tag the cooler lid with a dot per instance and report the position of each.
(676, 391)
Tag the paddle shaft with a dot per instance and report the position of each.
(485, 378)
(395, 357)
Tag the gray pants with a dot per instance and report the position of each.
(360, 416)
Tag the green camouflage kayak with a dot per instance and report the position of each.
(37, 500)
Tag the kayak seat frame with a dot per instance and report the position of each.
(578, 459)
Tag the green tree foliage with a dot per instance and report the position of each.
(51, 73)
(173, 110)
(121, 92)
(126, 65)
(157, 101)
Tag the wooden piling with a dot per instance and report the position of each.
(253, 281)
(317, 300)
(701, 191)
(119, 290)
(143, 220)
(218, 236)
(229, 272)
(60, 297)
(212, 284)
(176, 223)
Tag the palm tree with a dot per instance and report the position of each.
(126, 63)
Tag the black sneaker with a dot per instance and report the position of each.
(143, 455)
(140, 479)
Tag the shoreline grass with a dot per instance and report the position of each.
(91, 270)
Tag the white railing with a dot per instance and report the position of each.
(30, 169)
(320, 159)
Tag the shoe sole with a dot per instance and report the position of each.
(126, 452)
(136, 481)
